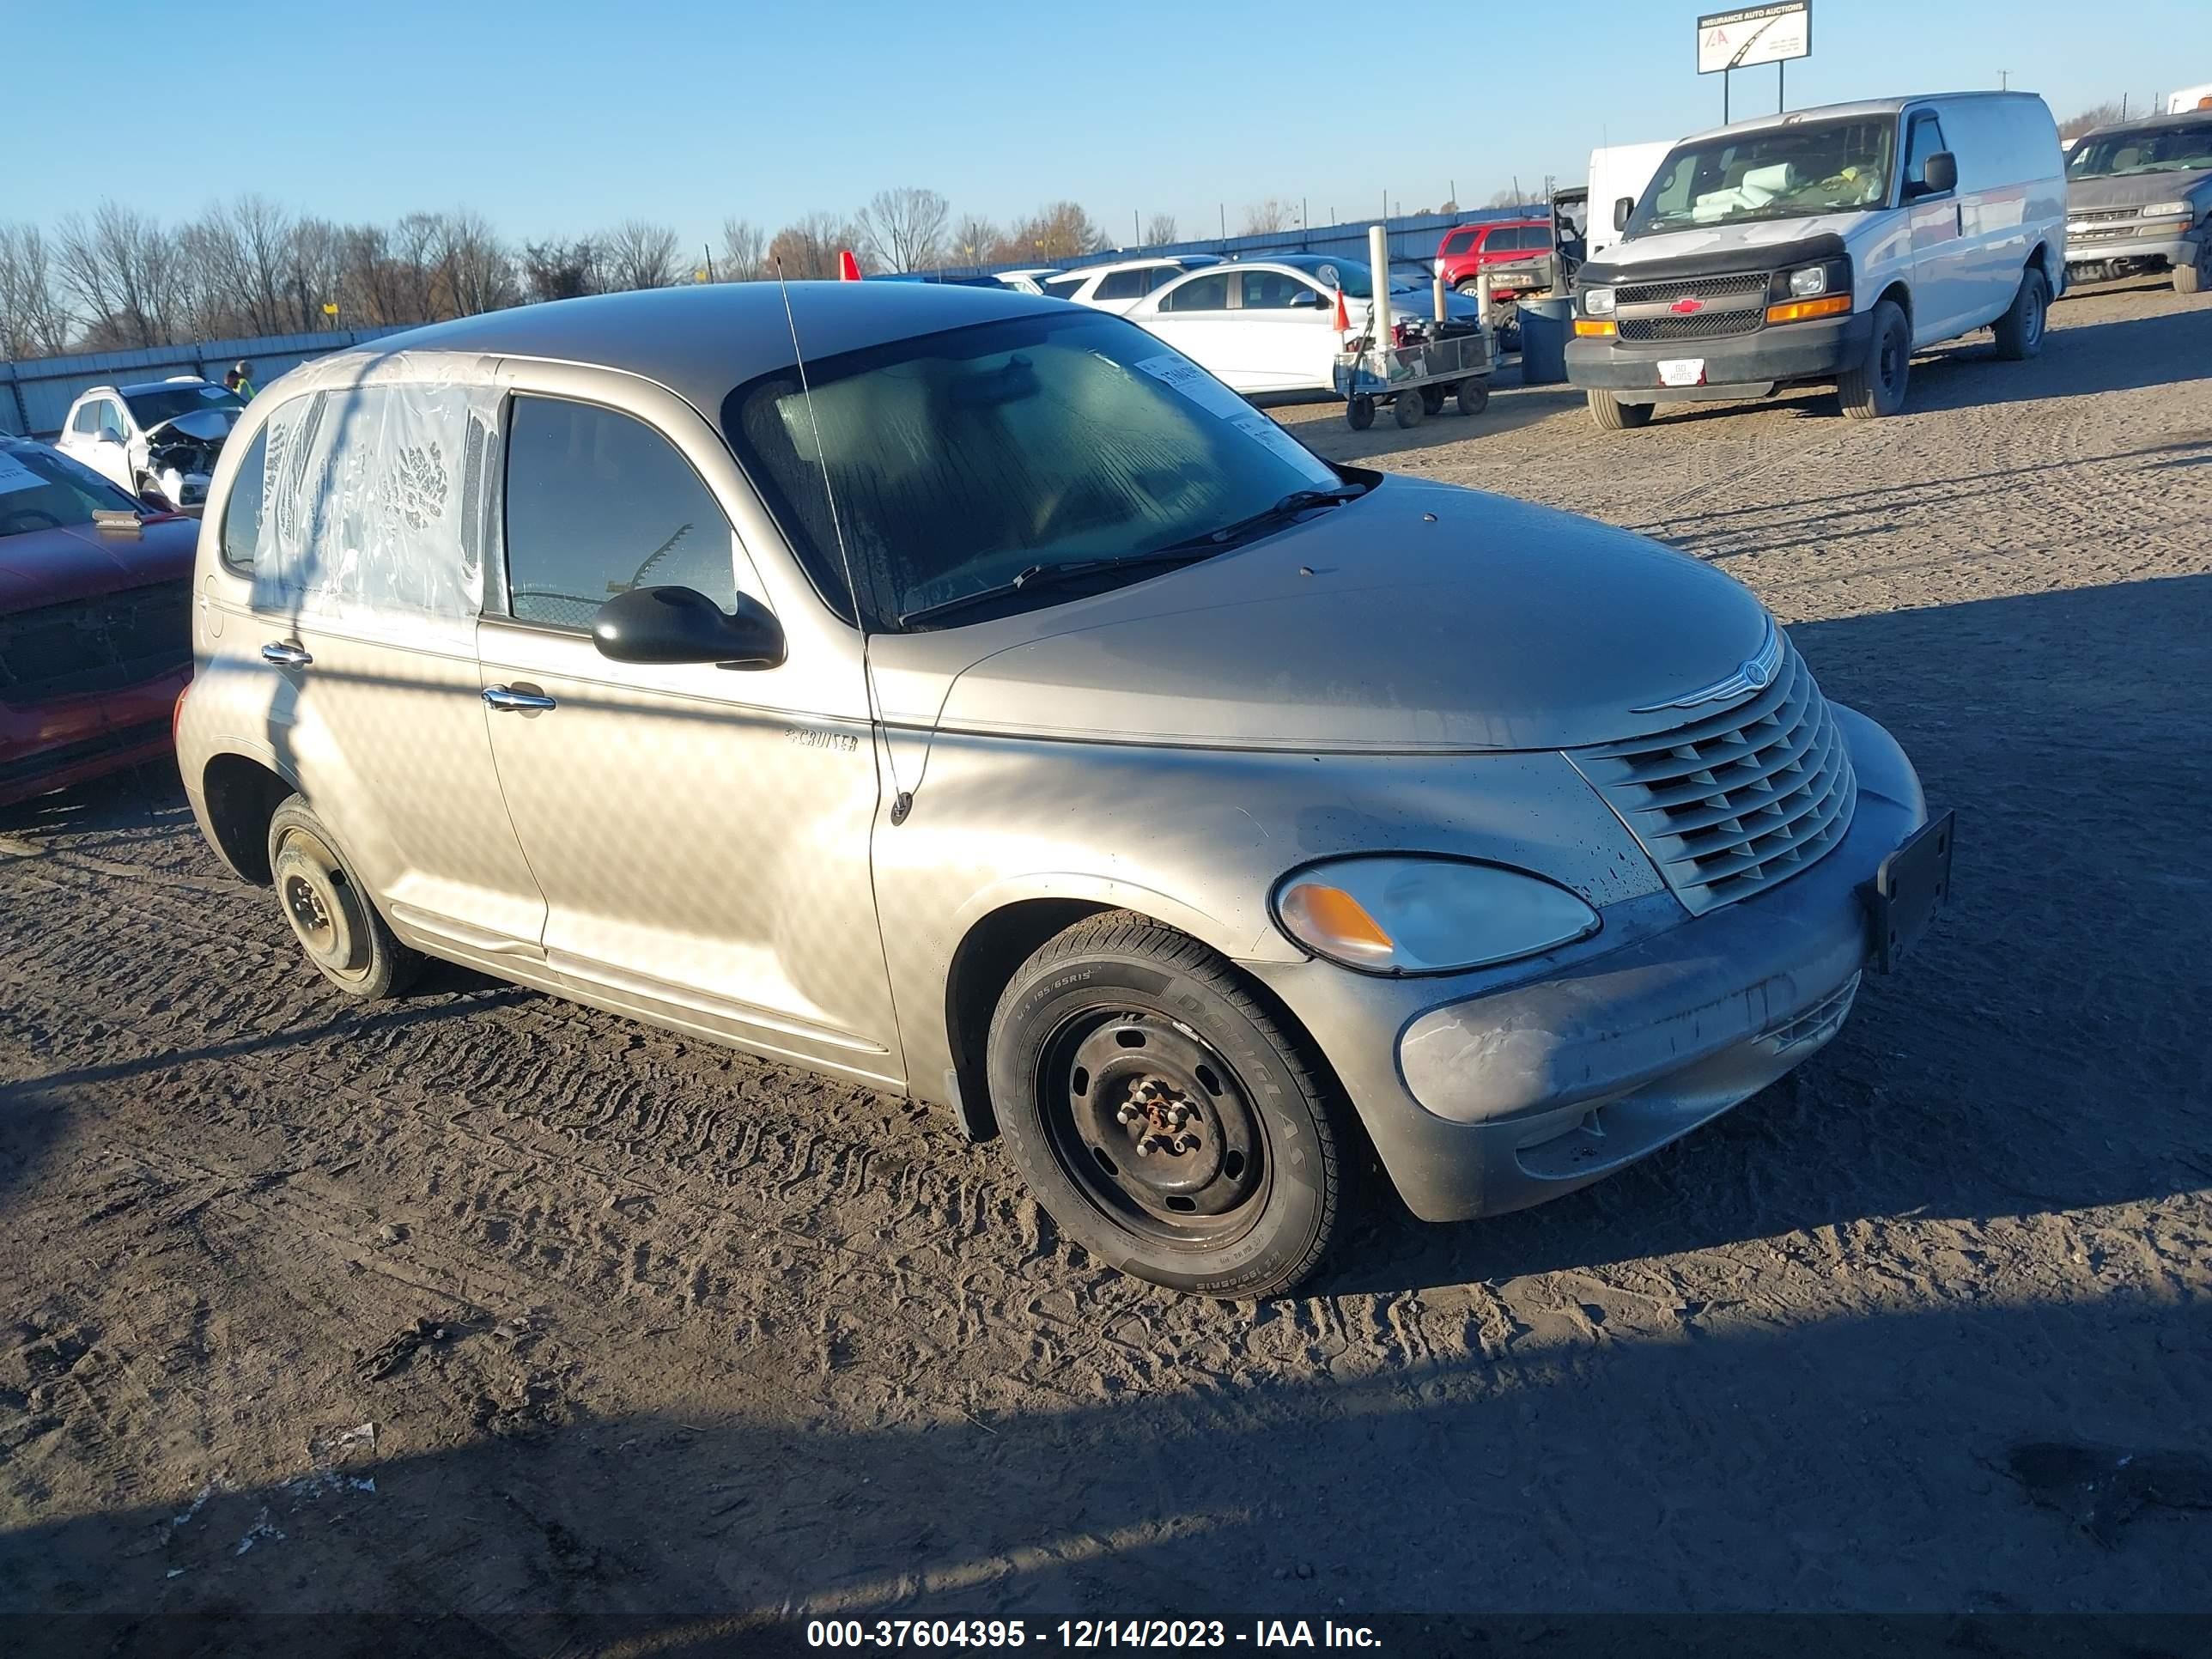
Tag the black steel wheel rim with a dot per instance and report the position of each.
(1154, 1128)
(322, 906)
(1893, 359)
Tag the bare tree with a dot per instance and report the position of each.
(1270, 215)
(2103, 115)
(639, 254)
(1159, 228)
(560, 271)
(1505, 196)
(473, 270)
(32, 321)
(744, 251)
(974, 240)
(808, 249)
(1058, 230)
(903, 229)
(124, 272)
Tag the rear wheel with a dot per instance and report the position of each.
(2020, 331)
(2197, 278)
(1160, 1114)
(332, 917)
(1876, 387)
(1432, 400)
(1470, 287)
(1408, 407)
(1473, 397)
(1611, 414)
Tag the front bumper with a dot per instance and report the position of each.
(2167, 250)
(1741, 365)
(45, 746)
(1505, 1100)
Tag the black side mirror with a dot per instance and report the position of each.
(1940, 172)
(1305, 296)
(154, 500)
(1622, 207)
(681, 625)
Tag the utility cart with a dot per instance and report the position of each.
(1414, 379)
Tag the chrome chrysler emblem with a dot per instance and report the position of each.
(1754, 673)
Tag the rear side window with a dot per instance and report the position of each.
(1200, 293)
(110, 421)
(241, 514)
(1125, 284)
(598, 503)
(86, 419)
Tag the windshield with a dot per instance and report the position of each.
(42, 490)
(155, 404)
(959, 461)
(1776, 173)
(2184, 149)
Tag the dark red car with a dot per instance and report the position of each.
(1517, 253)
(95, 622)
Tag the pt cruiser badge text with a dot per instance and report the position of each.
(844, 743)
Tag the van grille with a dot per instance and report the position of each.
(1734, 304)
(95, 644)
(1735, 802)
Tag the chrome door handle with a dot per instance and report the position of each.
(285, 654)
(508, 700)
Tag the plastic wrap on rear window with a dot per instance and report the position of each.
(376, 507)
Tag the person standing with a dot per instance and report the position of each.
(241, 380)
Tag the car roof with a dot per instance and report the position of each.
(702, 341)
(1860, 109)
(2152, 123)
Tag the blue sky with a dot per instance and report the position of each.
(555, 117)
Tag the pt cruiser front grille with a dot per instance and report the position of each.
(1733, 803)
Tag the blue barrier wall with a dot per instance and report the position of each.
(35, 395)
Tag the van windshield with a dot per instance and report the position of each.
(1775, 172)
(2183, 148)
(979, 458)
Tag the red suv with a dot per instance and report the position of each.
(1517, 253)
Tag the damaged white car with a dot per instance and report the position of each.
(158, 440)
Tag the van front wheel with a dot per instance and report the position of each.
(2020, 331)
(1611, 414)
(1876, 387)
(1161, 1115)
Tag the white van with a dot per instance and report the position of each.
(1824, 247)
(1616, 171)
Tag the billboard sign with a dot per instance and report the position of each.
(1755, 34)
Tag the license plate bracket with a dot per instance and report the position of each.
(1911, 886)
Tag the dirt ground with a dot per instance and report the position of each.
(485, 1309)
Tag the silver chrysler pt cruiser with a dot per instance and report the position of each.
(963, 693)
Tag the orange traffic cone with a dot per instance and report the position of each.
(1343, 320)
(849, 268)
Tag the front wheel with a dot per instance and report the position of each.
(1359, 413)
(1160, 1114)
(1611, 415)
(2020, 331)
(2197, 278)
(1876, 387)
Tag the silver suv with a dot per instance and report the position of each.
(993, 708)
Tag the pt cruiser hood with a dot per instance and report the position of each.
(1418, 618)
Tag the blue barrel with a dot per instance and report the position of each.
(1544, 325)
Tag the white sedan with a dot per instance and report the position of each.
(1119, 286)
(1270, 324)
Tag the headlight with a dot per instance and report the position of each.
(1812, 280)
(2166, 210)
(1597, 302)
(1406, 913)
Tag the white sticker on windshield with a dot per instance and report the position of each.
(1259, 427)
(13, 476)
(1195, 383)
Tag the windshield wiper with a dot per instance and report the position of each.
(1187, 551)
(1048, 576)
(1298, 502)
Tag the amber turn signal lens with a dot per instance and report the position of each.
(1588, 325)
(1798, 310)
(1320, 911)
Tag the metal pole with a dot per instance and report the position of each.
(1223, 207)
(1781, 97)
(1724, 95)
(1379, 256)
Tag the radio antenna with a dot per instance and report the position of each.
(901, 799)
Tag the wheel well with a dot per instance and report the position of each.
(2041, 258)
(1902, 294)
(241, 796)
(987, 959)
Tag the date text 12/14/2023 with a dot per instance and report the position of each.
(1073, 1635)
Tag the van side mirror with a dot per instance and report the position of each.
(1939, 175)
(665, 625)
(1622, 207)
